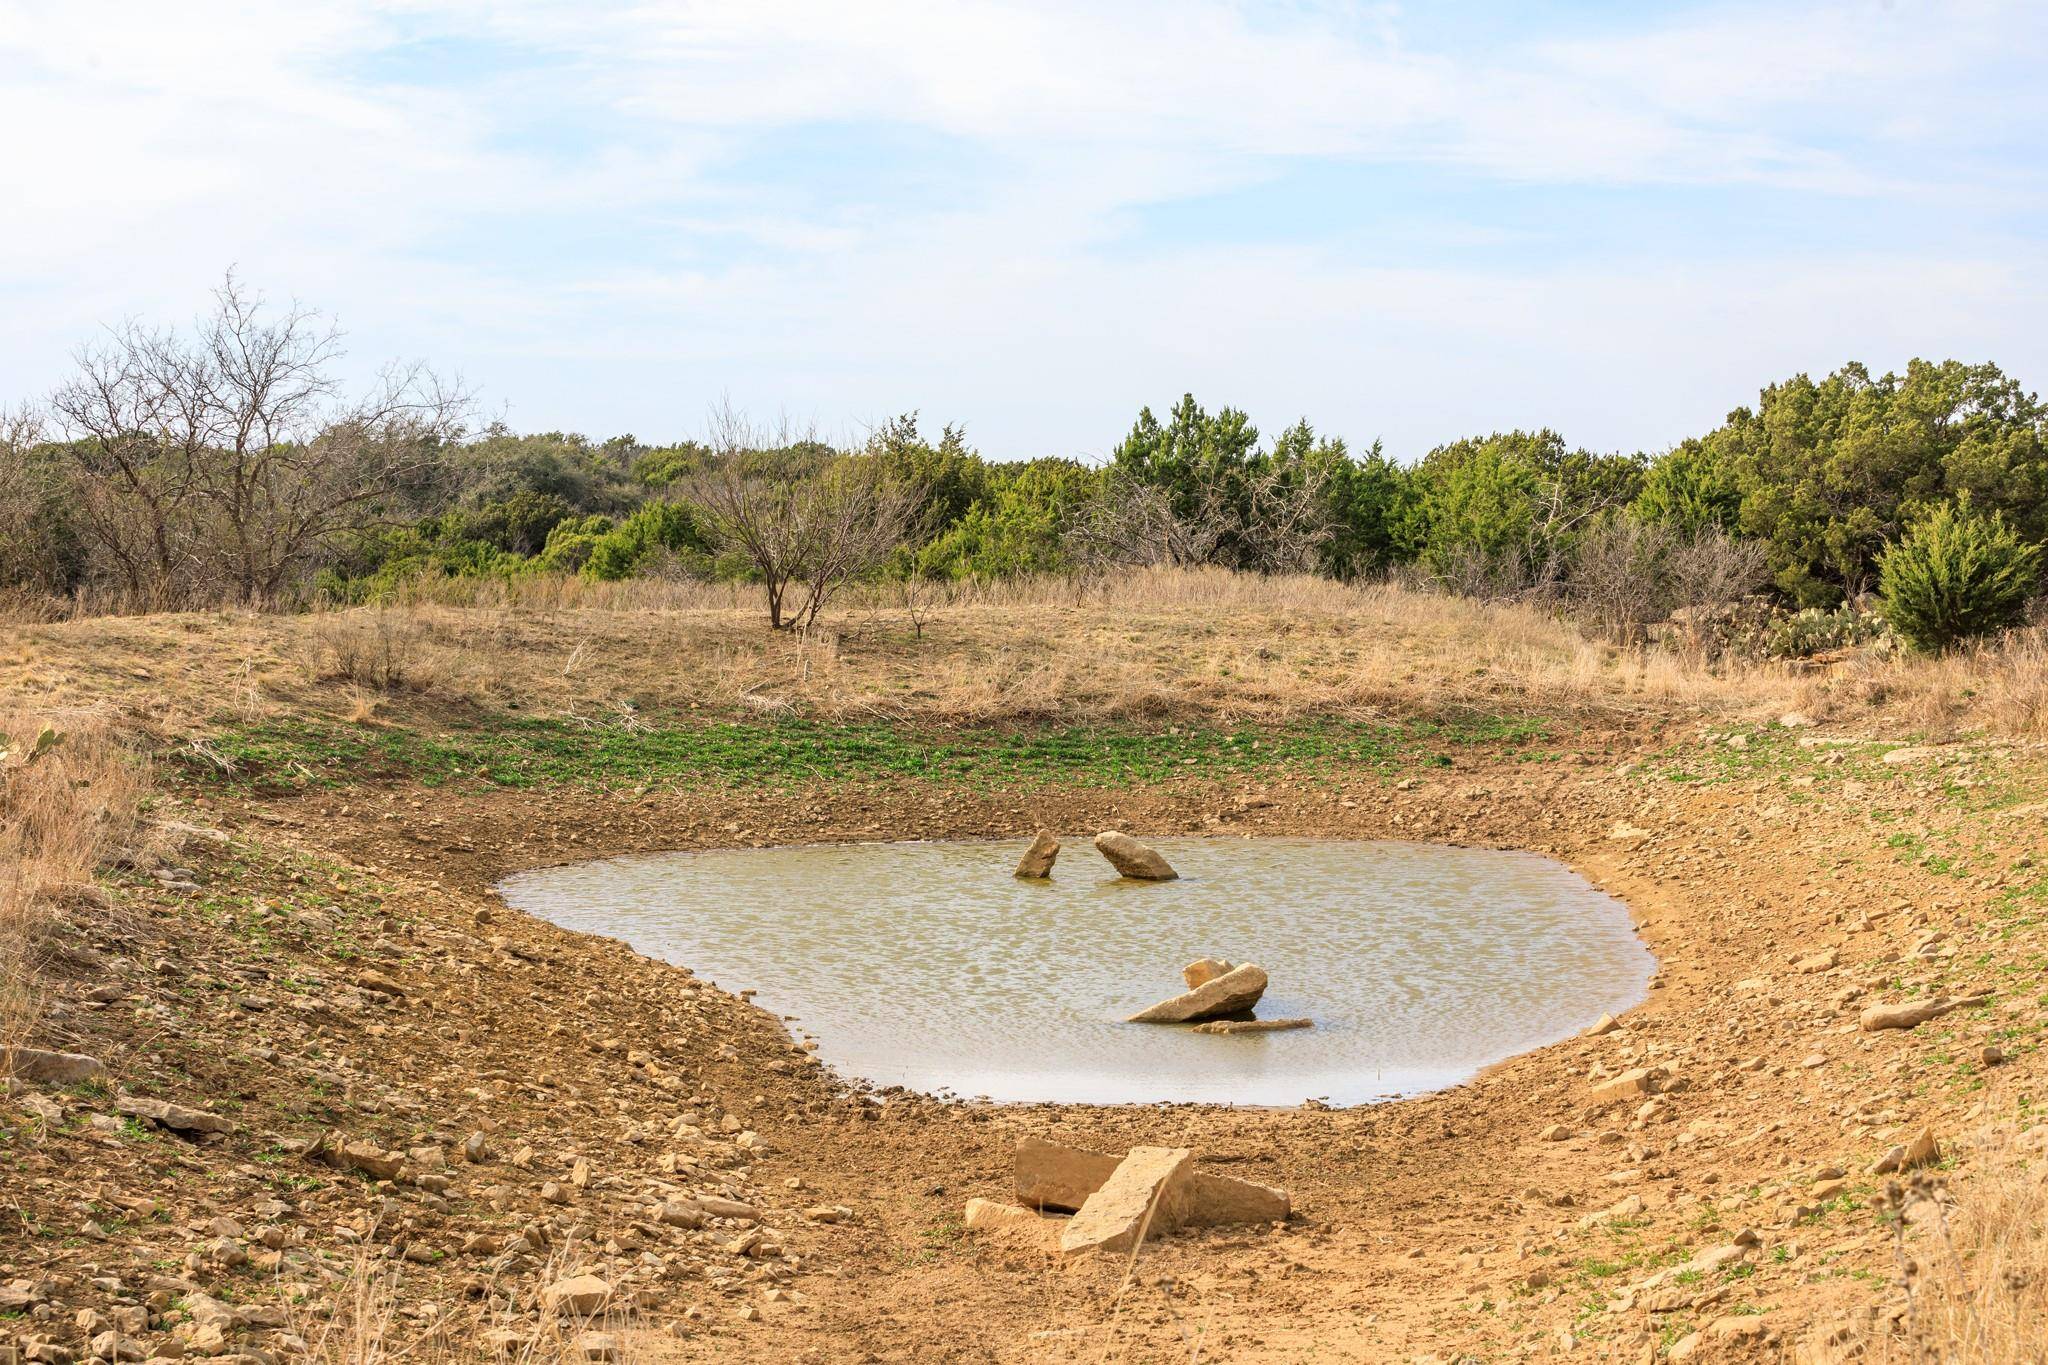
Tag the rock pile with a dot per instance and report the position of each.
(1234, 992)
(1118, 1201)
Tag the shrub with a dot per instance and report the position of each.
(1954, 576)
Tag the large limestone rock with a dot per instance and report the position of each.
(1133, 859)
(1036, 864)
(1913, 1013)
(1147, 1194)
(1234, 992)
(1203, 970)
(1053, 1176)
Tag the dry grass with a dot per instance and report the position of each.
(1156, 646)
(367, 1321)
(68, 790)
(1973, 1277)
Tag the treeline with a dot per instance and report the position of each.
(226, 464)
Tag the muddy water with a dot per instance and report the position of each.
(928, 965)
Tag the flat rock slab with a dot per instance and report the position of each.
(1253, 1025)
(172, 1115)
(1133, 859)
(1053, 1176)
(1036, 864)
(1234, 992)
(1011, 1221)
(1147, 1194)
(1913, 1013)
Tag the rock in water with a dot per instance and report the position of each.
(1036, 864)
(1234, 992)
(1253, 1025)
(1203, 970)
(1133, 859)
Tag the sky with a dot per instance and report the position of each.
(1404, 222)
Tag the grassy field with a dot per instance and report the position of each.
(537, 752)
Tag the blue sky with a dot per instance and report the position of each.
(1405, 222)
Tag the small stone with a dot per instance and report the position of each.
(1600, 1027)
(1642, 1080)
(582, 1295)
(1203, 970)
(986, 1215)
(597, 1346)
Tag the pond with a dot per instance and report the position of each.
(928, 965)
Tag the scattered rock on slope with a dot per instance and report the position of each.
(49, 1068)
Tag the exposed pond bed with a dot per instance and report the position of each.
(928, 965)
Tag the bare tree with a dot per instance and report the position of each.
(1626, 574)
(230, 460)
(1270, 519)
(806, 518)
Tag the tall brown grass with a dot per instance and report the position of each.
(69, 790)
(363, 1324)
(1204, 646)
(1972, 1285)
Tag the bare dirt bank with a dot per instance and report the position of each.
(1518, 1216)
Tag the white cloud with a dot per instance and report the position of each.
(570, 229)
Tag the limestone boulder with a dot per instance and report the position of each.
(1203, 970)
(1133, 859)
(1234, 992)
(1036, 864)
